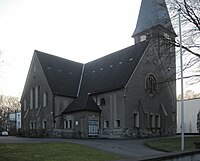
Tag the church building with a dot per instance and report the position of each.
(130, 93)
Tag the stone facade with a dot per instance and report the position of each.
(30, 113)
(142, 105)
(148, 105)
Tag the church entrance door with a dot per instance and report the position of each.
(93, 128)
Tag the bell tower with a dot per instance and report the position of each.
(153, 21)
(154, 24)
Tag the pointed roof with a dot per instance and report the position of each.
(83, 103)
(153, 13)
(111, 72)
(63, 76)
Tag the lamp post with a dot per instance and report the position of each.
(182, 96)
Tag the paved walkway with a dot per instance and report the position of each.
(134, 149)
(131, 149)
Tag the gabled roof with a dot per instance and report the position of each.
(112, 71)
(153, 13)
(82, 103)
(63, 75)
(108, 73)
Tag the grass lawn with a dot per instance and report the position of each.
(52, 152)
(173, 144)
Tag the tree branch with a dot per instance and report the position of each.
(190, 13)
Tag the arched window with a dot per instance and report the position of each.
(44, 124)
(25, 104)
(151, 84)
(31, 98)
(102, 102)
(136, 119)
(37, 96)
(31, 125)
(45, 99)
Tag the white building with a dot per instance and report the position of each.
(191, 109)
(15, 120)
(18, 120)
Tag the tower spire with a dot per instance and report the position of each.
(152, 13)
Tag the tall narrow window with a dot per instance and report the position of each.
(106, 124)
(68, 124)
(157, 121)
(31, 125)
(44, 124)
(151, 84)
(152, 124)
(25, 104)
(117, 123)
(31, 98)
(136, 119)
(45, 99)
(146, 120)
(34, 125)
(36, 97)
(65, 124)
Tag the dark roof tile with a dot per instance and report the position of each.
(82, 103)
(116, 72)
(114, 75)
(62, 75)
(153, 13)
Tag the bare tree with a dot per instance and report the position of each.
(190, 20)
(189, 94)
(8, 105)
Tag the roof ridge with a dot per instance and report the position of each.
(55, 56)
(80, 82)
(63, 75)
(125, 48)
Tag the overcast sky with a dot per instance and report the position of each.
(79, 30)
